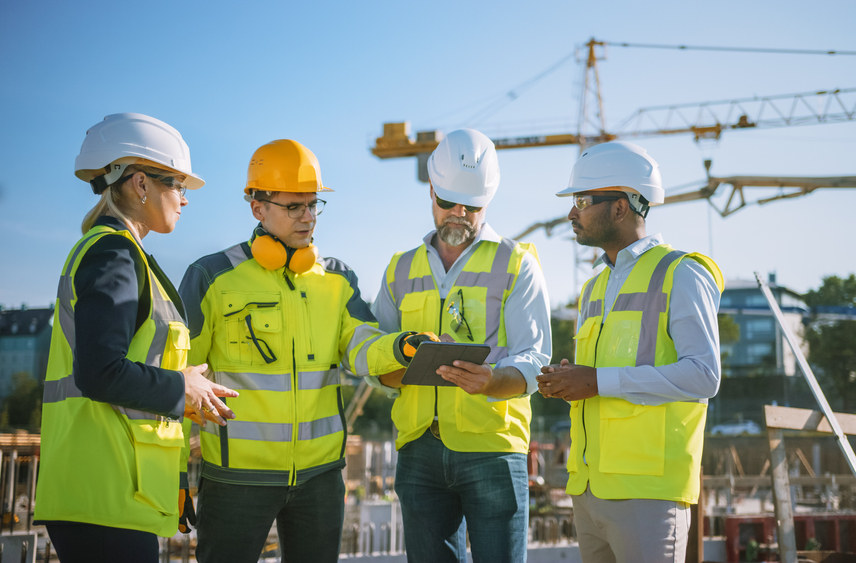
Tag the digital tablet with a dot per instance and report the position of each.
(431, 355)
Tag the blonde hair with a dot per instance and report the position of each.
(114, 201)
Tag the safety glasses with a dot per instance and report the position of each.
(455, 308)
(583, 201)
(170, 182)
(443, 204)
(296, 210)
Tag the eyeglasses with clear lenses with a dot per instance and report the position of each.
(443, 204)
(583, 201)
(296, 210)
(170, 182)
(455, 308)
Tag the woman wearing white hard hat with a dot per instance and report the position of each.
(117, 383)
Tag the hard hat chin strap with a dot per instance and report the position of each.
(113, 172)
(638, 204)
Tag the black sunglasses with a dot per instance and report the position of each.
(443, 204)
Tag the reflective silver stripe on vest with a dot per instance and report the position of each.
(60, 390)
(402, 285)
(309, 380)
(595, 308)
(253, 381)
(163, 311)
(236, 255)
(497, 282)
(318, 428)
(65, 293)
(361, 362)
(590, 308)
(256, 431)
(650, 304)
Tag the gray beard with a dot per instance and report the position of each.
(455, 236)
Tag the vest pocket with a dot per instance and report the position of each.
(413, 311)
(177, 347)
(157, 448)
(632, 438)
(475, 414)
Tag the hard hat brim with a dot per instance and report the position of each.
(259, 189)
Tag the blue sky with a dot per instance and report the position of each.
(231, 77)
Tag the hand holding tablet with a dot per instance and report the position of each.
(431, 355)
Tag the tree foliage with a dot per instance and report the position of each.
(23, 407)
(729, 334)
(832, 345)
(834, 292)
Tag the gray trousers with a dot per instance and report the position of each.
(631, 531)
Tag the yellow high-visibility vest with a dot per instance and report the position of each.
(468, 423)
(101, 463)
(278, 338)
(624, 450)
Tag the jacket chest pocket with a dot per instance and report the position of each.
(254, 326)
(415, 314)
(585, 342)
(177, 347)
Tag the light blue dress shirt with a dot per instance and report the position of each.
(693, 326)
(527, 311)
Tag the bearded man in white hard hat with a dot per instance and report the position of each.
(462, 448)
(646, 363)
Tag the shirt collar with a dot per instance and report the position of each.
(632, 251)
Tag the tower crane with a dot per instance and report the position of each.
(703, 120)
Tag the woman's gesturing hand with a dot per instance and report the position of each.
(201, 394)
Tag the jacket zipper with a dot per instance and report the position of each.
(311, 352)
(585, 435)
(295, 425)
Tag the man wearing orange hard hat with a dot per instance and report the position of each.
(275, 320)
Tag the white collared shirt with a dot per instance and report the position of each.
(693, 326)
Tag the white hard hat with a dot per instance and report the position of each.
(464, 169)
(618, 166)
(123, 139)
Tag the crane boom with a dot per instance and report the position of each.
(736, 199)
(704, 120)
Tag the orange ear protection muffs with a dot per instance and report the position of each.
(272, 254)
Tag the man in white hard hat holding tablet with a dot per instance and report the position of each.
(462, 448)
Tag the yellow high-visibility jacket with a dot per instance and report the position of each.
(468, 423)
(101, 463)
(277, 338)
(624, 450)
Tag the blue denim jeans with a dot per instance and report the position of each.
(233, 521)
(444, 494)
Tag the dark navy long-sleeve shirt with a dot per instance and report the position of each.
(113, 301)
